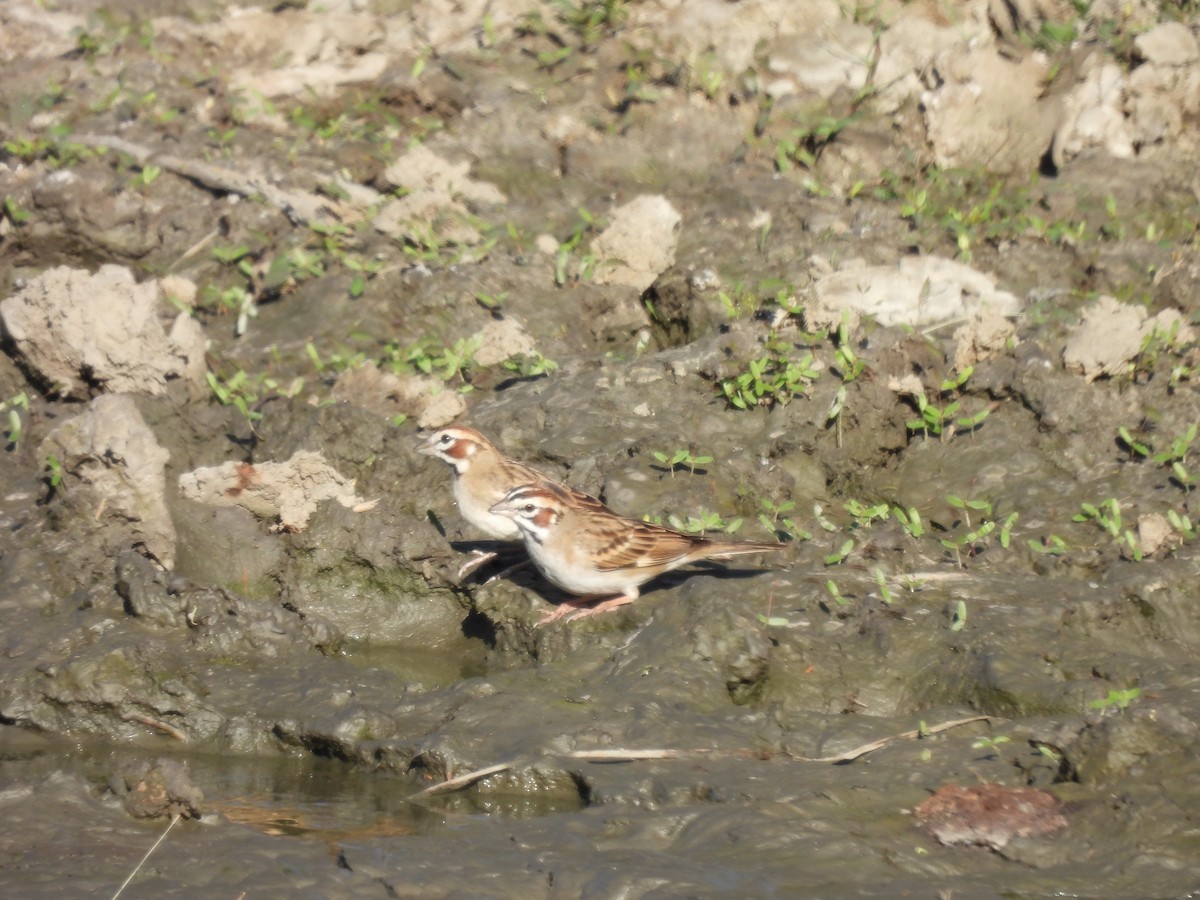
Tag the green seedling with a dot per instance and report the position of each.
(884, 594)
(1006, 529)
(587, 265)
(770, 380)
(54, 473)
(835, 409)
(148, 175)
(1182, 524)
(706, 521)
(966, 506)
(849, 366)
(910, 520)
(865, 515)
(336, 362)
(966, 543)
(774, 518)
(681, 459)
(741, 302)
(363, 271)
(1108, 516)
(1051, 545)
(1116, 699)
(941, 419)
(530, 365)
(492, 302)
(836, 594)
(958, 619)
(15, 426)
(236, 392)
(1176, 455)
(839, 555)
(819, 516)
(1051, 753)
(1136, 448)
(428, 357)
(990, 744)
(15, 214)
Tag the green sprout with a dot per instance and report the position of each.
(1116, 699)
(681, 459)
(839, 555)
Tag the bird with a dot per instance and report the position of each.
(600, 555)
(482, 477)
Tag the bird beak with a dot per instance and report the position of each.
(426, 449)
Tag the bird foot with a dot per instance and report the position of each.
(478, 558)
(505, 572)
(583, 607)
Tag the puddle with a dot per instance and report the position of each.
(427, 667)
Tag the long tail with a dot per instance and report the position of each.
(727, 549)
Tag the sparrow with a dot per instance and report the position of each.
(589, 550)
(482, 477)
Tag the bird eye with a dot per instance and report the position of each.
(528, 507)
(445, 439)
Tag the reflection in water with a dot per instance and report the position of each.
(422, 666)
(306, 796)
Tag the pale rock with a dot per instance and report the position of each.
(1168, 44)
(919, 291)
(502, 339)
(437, 198)
(639, 243)
(1155, 535)
(112, 450)
(85, 333)
(287, 492)
(987, 334)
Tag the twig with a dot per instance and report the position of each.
(614, 755)
(883, 742)
(195, 248)
(157, 725)
(627, 755)
(301, 208)
(461, 781)
(138, 867)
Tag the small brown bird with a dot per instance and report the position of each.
(482, 477)
(588, 549)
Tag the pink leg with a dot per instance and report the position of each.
(478, 558)
(602, 607)
(504, 573)
(581, 607)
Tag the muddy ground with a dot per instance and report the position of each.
(907, 288)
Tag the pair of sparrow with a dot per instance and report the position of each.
(576, 542)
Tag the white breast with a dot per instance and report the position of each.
(476, 513)
(574, 574)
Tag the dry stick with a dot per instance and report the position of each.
(138, 867)
(634, 755)
(883, 742)
(461, 781)
(301, 208)
(157, 725)
(195, 248)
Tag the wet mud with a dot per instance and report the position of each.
(766, 295)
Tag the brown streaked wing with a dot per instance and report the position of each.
(518, 473)
(639, 545)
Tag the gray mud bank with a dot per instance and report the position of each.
(910, 291)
